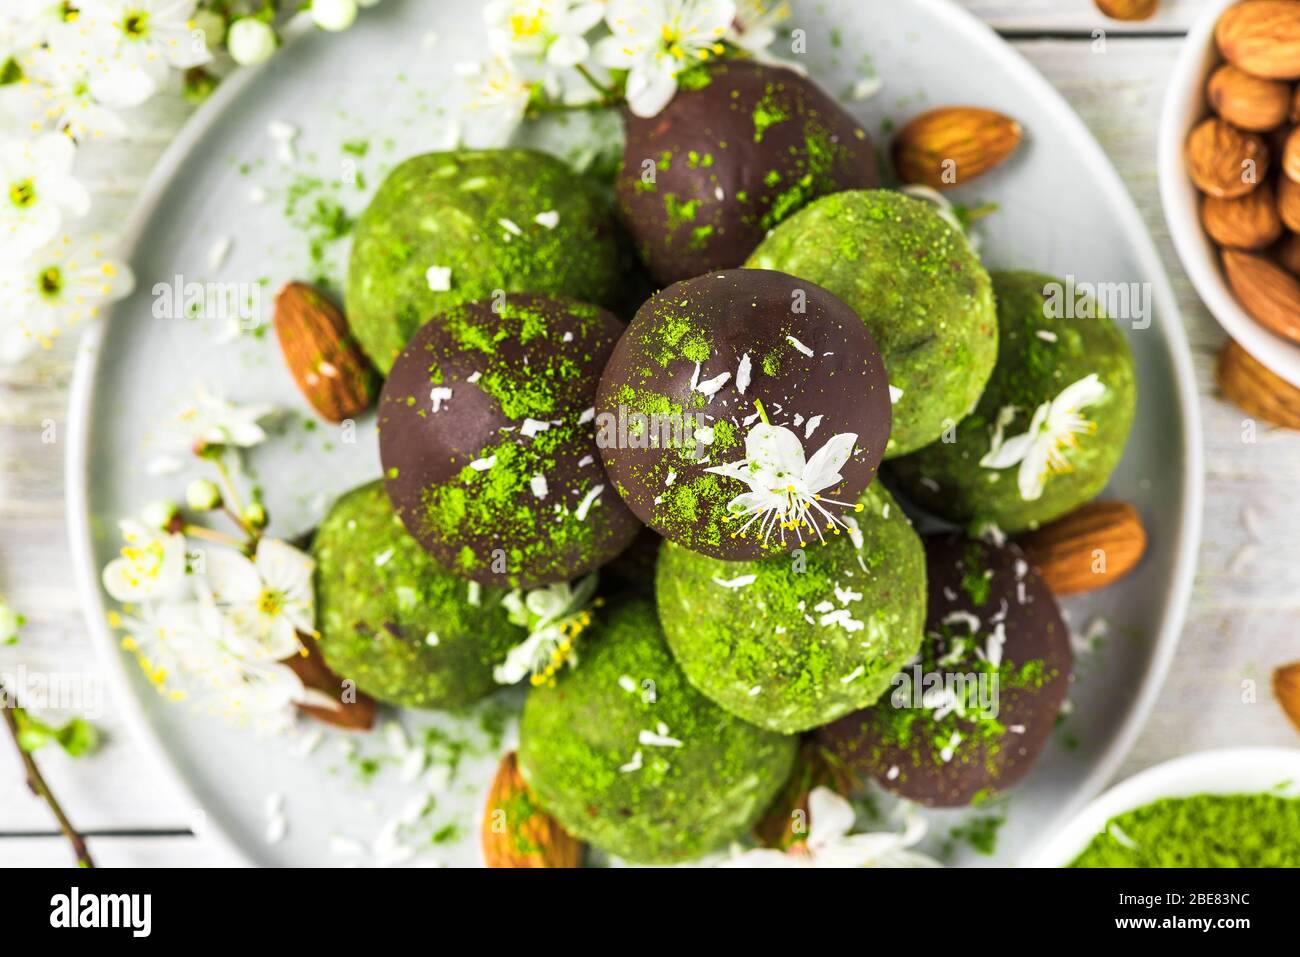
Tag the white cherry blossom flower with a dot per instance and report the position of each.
(554, 616)
(58, 90)
(1054, 430)
(150, 567)
(28, 24)
(62, 284)
(140, 40)
(497, 104)
(36, 191)
(553, 31)
(658, 40)
(754, 30)
(266, 601)
(831, 843)
(210, 420)
(784, 489)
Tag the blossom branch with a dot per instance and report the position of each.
(36, 783)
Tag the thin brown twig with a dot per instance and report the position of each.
(38, 786)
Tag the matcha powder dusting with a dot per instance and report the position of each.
(1206, 830)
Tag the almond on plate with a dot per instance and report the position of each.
(950, 146)
(321, 354)
(1248, 102)
(1262, 37)
(1246, 222)
(1255, 389)
(516, 831)
(1095, 545)
(1223, 161)
(1267, 291)
(340, 703)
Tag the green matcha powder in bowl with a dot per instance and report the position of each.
(1204, 830)
(1236, 807)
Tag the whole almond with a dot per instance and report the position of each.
(1288, 253)
(1255, 389)
(1291, 155)
(1247, 222)
(1288, 202)
(1128, 9)
(324, 359)
(351, 709)
(1286, 688)
(1262, 38)
(950, 146)
(1248, 102)
(516, 831)
(1267, 291)
(1223, 161)
(785, 823)
(1095, 545)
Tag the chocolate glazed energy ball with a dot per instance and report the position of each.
(969, 717)
(740, 147)
(743, 413)
(487, 439)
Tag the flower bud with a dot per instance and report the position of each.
(202, 495)
(250, 41)
(255, 515)
(334, 15)
(159, 514)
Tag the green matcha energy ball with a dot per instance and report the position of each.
(795, 642)
(919, 288)
(1052, 424)
(447, 228)
(629, 757)
(391, 619)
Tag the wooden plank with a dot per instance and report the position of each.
(114, 851)
(1078, 16)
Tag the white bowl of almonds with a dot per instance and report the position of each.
(1229, 168)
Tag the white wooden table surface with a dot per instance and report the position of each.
(1248, 582)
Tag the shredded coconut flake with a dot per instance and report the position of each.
(438, 278)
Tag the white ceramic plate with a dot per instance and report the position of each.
(1228, 771)
(1185, 106)
(1063, 210)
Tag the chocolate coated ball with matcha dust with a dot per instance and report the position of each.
(487, 438)
(970, 716)
(447, 228)
(793, 642)
(922, 293)
(743, 412)
(741, 146)
(406, 630)
(1051, 425)
(629, 757)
